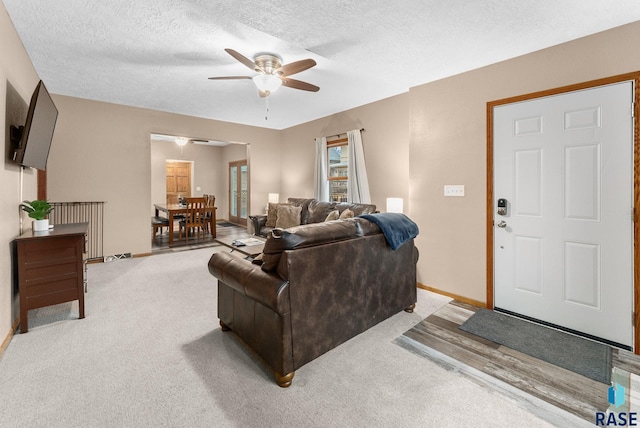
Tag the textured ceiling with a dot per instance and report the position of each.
(158, 54)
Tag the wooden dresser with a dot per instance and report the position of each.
(50, 268)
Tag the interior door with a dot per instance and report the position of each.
(238, 192)
(563, 235)
(178, 176)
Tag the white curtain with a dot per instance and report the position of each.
(321, 182)
(358, 189)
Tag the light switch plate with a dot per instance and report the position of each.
(454, 189)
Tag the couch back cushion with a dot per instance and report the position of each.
(304, 204)
(272, 213)
(357, 209)
(318, 211)
(302, 236)
(288, 216)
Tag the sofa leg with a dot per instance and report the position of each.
(410, 308)
(223, 326)
(284, 381)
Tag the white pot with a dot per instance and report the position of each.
(40, 225)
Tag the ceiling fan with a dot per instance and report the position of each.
(272, 73)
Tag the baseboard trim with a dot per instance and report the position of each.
(5, 342)
(135, 256)
(453, 296)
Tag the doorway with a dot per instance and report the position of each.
(178, 176)
(561, 229)
(238, 192)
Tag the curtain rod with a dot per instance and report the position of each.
(342, 133)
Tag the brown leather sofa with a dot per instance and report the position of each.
(319, 285)
(313, 211)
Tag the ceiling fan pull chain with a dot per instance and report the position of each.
(266, 113)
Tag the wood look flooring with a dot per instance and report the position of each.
(543, 388)
(160, 244)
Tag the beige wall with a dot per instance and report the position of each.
(18, 79)
(102, 152)
(448, 146)
(386, 149)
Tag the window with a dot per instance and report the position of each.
(337, 175)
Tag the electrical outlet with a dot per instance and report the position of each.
(454, 189)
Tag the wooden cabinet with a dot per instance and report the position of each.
(50, 268)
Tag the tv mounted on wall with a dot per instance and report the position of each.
(33, 140)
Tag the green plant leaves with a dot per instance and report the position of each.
(37, 209)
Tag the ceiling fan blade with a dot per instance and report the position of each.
(297, 84)
(244, 60)
(295, 67)
(229, 78)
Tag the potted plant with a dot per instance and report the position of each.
(38, 211)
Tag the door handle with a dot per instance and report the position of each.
(502, 224)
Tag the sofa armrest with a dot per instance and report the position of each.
(259, 221)
(249, 279)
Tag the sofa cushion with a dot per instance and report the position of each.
(347, 213)
(318, 211)
(358, 209)
(304, 204)
(333, 215)
(306, 236)
(288, 216)
(272, 214)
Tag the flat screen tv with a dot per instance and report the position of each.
(33, 140)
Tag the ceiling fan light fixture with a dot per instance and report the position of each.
(182, 141)
(267, 82)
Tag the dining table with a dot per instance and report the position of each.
(171, 210)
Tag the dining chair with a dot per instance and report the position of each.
(210, 203)
(158, 222)
(194, 218)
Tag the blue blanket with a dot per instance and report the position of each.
(397, 228)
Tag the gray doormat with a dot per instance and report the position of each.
(582, 356)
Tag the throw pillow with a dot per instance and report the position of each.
(333, 215)
(346, 214)
(272, 214)
(288, 216)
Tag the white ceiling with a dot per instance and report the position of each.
(158, 54)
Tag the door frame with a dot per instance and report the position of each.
(239, 164)
(635, 77)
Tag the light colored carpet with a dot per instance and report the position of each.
(150, 353)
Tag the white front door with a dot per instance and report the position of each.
(563, 251)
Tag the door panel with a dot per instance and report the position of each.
(582, 274)
(582, 183)
(564, 253)
(528, 264)
(178, 177)
(528, 182)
